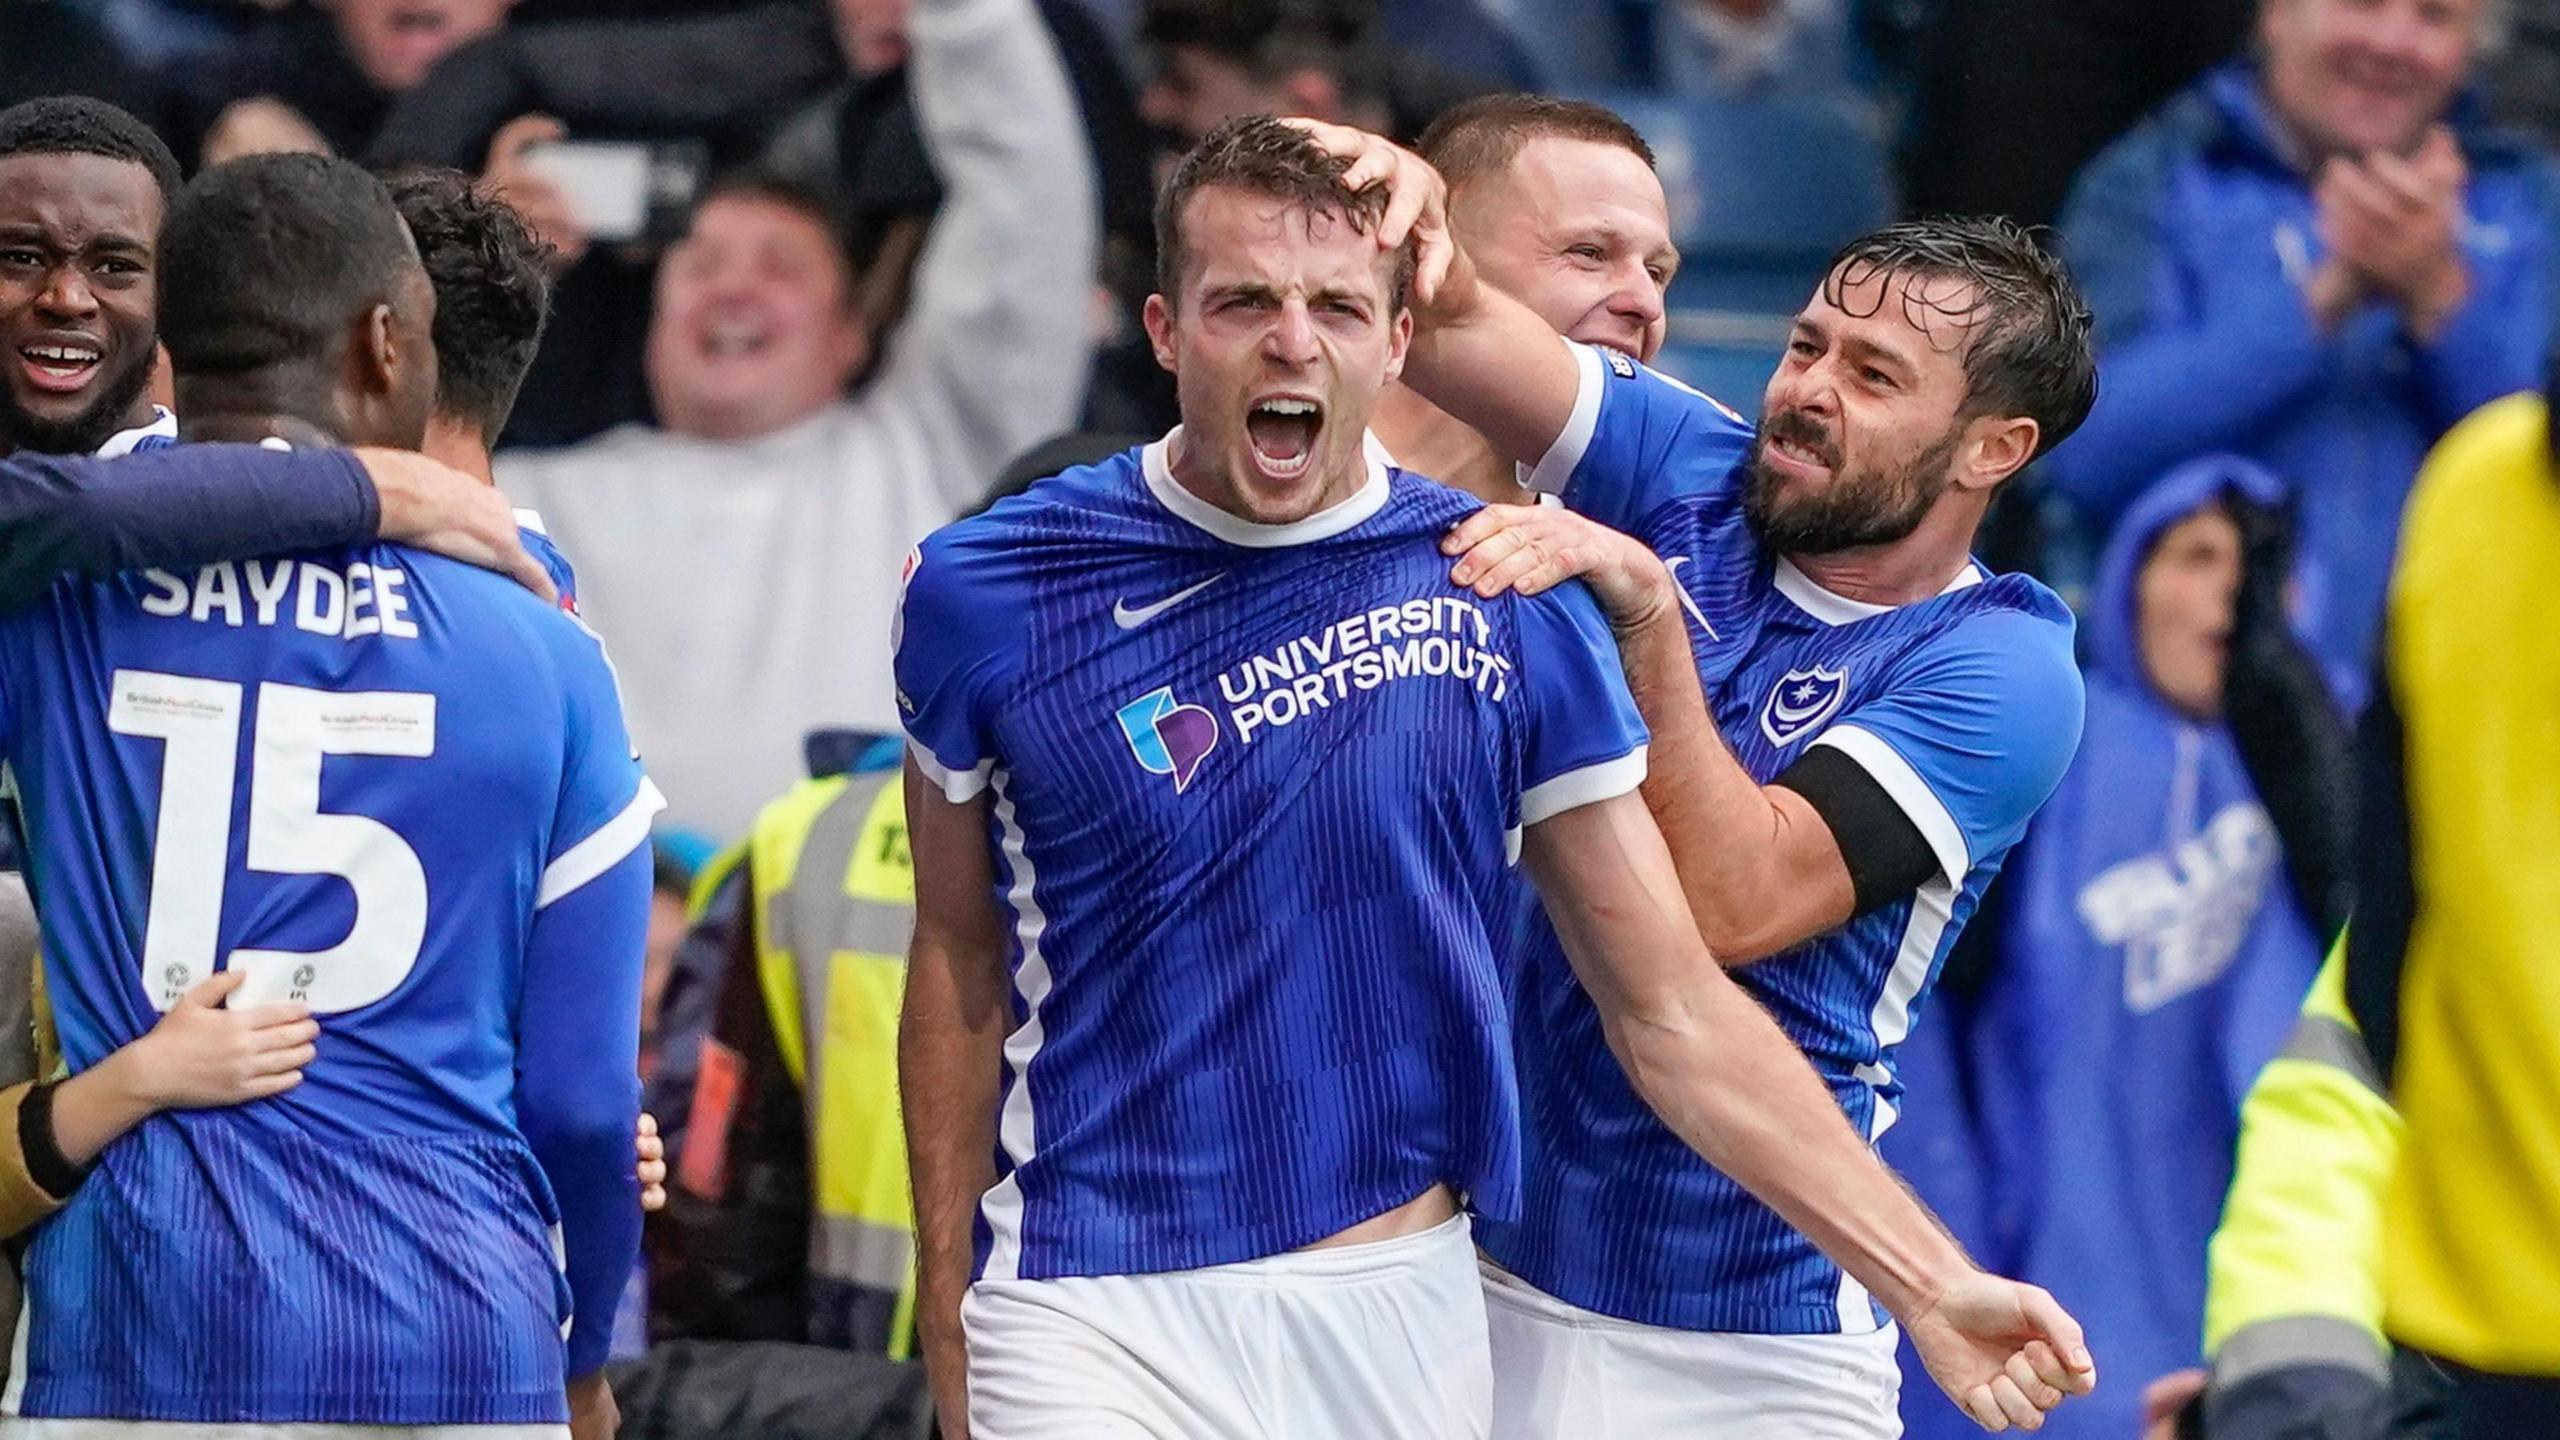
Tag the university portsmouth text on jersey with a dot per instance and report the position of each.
(1438, 635)
(357, 601)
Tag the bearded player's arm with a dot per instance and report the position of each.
(1713, 1065)
(1764, 866)
(195, 504)
(1905, 789)
(1477, 353)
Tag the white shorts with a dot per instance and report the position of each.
(185, 1431)
(1565, 1373)
(1381, 1341)
(17, 1429)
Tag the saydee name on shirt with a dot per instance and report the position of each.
(1439, 636)
(349, 603)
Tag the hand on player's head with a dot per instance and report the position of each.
(439, 509)
(203, 1053)
(1417, 198)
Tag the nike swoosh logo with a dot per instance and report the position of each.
(1673, 565)
(1130, 617)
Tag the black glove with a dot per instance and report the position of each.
(2293, 740)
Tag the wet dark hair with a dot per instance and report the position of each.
(492, 292)
(77, 125)
(1263, 156)
(2027, 347)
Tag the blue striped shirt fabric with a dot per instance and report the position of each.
(1255, 795)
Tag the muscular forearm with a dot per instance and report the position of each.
(1714, 1066)
(949, 1064)
(1491, 362)
(1728, 835)
(1729, 1083)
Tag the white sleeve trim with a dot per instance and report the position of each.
(603, 848)
(1565, 455)
(1920, 803)
(957, 786)
(1589, 785)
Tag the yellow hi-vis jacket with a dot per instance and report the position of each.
(2296, 1267)
(833, 891)
(2456, 948)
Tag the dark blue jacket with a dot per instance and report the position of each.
(2193, 236)
(81, 516)
(2150, 962)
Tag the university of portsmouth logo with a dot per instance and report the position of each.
(1798, 704)
(1167, 736)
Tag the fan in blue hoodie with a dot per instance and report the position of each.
(2149, 960)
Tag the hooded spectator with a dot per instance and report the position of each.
(2148, 959)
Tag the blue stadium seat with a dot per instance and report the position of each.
(1727, 354)
(1755, 288)
(1466, 38)
(1765, 184)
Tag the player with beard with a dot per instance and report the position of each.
(1852, 724)
(480, 1009)
(83, 187)
(1198, 1173)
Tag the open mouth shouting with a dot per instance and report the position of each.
(60, 364)
(1282, 431)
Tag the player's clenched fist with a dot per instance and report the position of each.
(202, 1054)
(2004, 1351)
(653, 1165)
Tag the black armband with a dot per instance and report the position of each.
(53, 1174)
(1887, 856)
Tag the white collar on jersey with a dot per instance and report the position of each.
(1236, 530)
(163, 426)
(1834, 609)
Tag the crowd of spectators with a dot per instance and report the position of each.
(823, 269)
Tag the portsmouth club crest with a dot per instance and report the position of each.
(1800, 703)
(1167, 736)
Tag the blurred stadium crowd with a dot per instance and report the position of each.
(827, 274)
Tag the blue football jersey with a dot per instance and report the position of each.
(1965, 708)
(1255, 794)
(538, 543)
(399, 789)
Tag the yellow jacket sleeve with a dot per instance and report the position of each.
(2296, 1267)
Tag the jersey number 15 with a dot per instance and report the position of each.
(199, 722)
